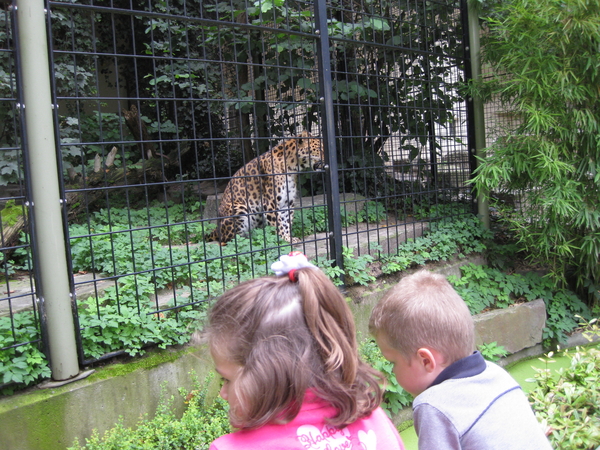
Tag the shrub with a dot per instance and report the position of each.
(483, 287)
(461, 235)
(544, 59)
(203, 421)
(568, 404)
(394, 398)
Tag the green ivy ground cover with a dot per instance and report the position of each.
(123, 316)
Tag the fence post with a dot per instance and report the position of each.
(328, 127)
(483, 211)
(45, 201)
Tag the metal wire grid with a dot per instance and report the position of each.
(197, 127)
(409, 118)
(163, 102)
(20, 324)
(499, 122)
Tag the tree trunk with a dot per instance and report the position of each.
(109, 175)
(140, 132)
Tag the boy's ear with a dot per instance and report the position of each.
(428, 359)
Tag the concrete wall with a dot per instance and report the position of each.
(48, 419)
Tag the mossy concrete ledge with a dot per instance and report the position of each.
(48, 419)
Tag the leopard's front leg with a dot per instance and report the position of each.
(280, 205)
(282, 220)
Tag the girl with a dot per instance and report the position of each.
(286, 349)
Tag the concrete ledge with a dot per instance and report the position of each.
(515, 328)
(48, 419)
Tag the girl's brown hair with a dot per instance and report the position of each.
(288, 337)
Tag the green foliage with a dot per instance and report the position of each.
(203, 421)
(394, 398)
(444, 239)
(310, 221)
(545, 62)
(484, 287)
(492, 351)
(314, 220)
(146, 242)
(356, 267)
(567, 403)
(372, 212)
(437, 210)
(23, 364)
(11, 213)
(123, 326)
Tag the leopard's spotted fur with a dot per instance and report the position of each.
(266, 187)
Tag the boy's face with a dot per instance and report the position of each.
(411, 374)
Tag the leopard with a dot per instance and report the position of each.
(264, 190)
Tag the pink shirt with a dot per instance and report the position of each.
(309, 431)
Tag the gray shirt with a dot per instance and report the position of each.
(476, 405)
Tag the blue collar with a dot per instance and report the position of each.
(463, 368)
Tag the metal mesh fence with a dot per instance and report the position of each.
(161, 103)
(400, 124)
(20, 326)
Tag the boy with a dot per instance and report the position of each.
(461, 401)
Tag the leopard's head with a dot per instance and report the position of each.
(310, 152)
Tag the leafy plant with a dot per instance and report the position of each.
(492, 351)
(394, 398)
(483, 287)
(315, 220)
(544, 62)
(372, 212)
(130, 328)
(446, 238)
(22, 364)
(567, 402)
(356, 267)
(203, 420)
(310, 221)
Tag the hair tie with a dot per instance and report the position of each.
(292, 276)
(288, 264)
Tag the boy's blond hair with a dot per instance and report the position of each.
(424, 311)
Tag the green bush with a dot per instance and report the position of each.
(23, 364)
(545, 73)
(203, 421)
(483, 288)
(568, 404)
(394, 398)
(314, 220)
(444, 239)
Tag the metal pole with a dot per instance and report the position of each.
(45, 200)
(328, 128)
(483, 210)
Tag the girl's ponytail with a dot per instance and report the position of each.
(347, 383)
(330, 321)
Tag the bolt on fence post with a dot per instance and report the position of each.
(49, 238)
(328, 127)
(483, 211)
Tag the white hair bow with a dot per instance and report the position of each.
(288, 264)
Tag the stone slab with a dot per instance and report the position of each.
(515, 328)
